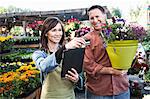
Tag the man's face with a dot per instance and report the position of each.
(97, 19)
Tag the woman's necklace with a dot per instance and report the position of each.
(52, 48)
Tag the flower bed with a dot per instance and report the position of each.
(26, 40)
(146, 41)
(5, 42)
(76, 28)
(18, 79)
(20, 55)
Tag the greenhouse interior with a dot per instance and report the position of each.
(20, 36)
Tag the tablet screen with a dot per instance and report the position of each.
(73, 58)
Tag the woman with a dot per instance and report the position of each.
(48, 61)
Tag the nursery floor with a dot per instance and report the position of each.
(81, 95)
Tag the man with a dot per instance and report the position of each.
(103, 81)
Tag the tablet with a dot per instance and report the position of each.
(73, 58)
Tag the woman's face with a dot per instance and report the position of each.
(97, 19)
(55, 34)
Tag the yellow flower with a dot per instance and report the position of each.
(23, 77)
(3, 38)
(14, 63)
(32, 63)
(9, 36)
(30, 66)
(19, 63)
(26, 80)
(8, 77)
(25, 64)
(23, 68)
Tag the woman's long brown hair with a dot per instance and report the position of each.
(48, 24)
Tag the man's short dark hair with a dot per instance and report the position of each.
(97, 7)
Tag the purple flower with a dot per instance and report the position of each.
(82, 31)
(120, 20)
(108, 32)
(119, 31)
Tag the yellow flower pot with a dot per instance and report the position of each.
(121, 53)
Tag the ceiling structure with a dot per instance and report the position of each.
(16, 19)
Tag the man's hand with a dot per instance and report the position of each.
(110, 70)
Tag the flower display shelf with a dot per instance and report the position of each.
(34, 95)
(147, 88)
(27, 46)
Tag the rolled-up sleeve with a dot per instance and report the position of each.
(43, 61)
(95, 56)
(91, 67)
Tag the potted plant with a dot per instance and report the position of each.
(121, 41)
(76, 28)
(147, 81)
(70, 26)
(82, 31)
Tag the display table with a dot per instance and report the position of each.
(35, 95)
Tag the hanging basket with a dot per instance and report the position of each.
(121, 53)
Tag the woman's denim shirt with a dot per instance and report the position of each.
(44, 62)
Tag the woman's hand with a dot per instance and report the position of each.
(72, 75)
(75, 43)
